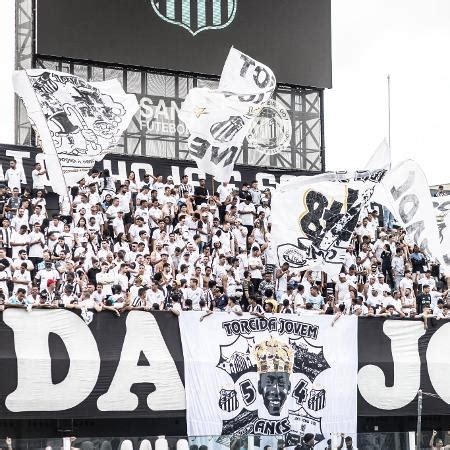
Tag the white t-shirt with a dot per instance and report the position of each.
(14, 177)
(255, 261)
(247, 219)
(38, 180)
(195, 295)
(224, 192)
(36, 250)
(44, 275)
(18, 275)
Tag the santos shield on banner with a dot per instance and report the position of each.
(282, 375)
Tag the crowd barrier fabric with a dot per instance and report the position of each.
(282, 375)
(55, 365)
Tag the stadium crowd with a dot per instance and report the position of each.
(117, 245)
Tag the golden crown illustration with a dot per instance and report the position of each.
(273, 355)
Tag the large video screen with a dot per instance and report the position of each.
(293, 37)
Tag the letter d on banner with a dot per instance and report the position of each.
(35, 390)
(404, 338)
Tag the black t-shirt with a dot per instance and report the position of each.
(91, 274)
(3, 199)
(200, 192)
(423, 300)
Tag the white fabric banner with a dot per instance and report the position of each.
(78, 122)
(407, 196)
(219, 119)
(442, 212)
(275, 376)
(381, 158)
(314, 218)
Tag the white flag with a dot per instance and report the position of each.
(279, 377)
(78, 122)
(219, 119)
(381, 158)
(314, 218)
(442, 211)
(408, 198)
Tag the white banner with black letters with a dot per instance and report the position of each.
(407, 195)
(314, 217)
(282, 375)
(219, 119)
(78, 122)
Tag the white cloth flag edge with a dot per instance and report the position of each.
(24, 88)
(425, 197)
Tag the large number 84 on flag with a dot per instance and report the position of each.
(314, 218)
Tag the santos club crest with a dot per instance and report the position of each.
(196, 15)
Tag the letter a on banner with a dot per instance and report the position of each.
(144, 335)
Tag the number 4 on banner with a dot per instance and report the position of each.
(300, 392)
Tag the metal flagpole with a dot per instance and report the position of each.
(419, 419)
(389, 107)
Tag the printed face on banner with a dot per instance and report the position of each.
(263, 371)
(194, 16)
(271, 378)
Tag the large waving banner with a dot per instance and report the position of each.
(314, 217)
(441, 207)
(407, 195)
(78, 122)
(219, 119)
(277, 376)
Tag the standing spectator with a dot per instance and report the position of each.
(14, 176)
(38, 176)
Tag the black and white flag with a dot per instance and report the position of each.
(314, 217)
(78, 122)
(219, 119)
(274, 377)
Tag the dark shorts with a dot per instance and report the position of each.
(127, 218)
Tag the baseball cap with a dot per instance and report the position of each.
(170, 178)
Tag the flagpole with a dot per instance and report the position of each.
(389, 107)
